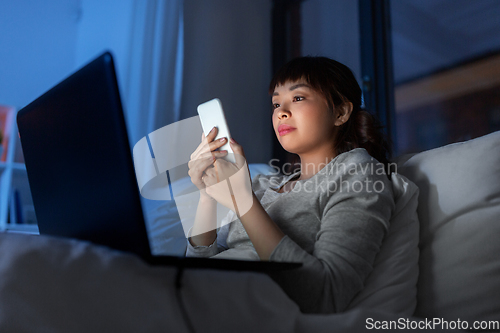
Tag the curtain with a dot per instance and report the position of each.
(153, 86)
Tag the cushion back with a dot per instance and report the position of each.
(459, 213)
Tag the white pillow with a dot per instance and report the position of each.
(459, 209)
(392, 285)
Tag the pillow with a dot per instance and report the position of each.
(392, 285)
(459, 209)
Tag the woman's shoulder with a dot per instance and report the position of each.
(356, 155)
(352, 163)
(358, 159)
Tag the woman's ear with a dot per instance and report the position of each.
(344, 111)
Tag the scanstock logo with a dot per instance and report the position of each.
(161, 168)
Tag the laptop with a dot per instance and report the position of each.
(81, 173)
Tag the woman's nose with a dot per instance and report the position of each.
(283, 113)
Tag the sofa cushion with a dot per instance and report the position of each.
(392, 285)
(50, 284)
(459, 209)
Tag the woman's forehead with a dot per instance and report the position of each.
(291, 84)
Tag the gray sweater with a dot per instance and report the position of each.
(334, 224)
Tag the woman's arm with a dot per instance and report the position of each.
(261, 229)
(205, 222)
(207, 248)
(263, 232)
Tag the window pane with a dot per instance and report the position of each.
(446, 71)
(331, 29)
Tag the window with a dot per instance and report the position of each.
(446, 71)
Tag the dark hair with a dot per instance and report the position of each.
(337, 84)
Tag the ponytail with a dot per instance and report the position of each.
(363, 130)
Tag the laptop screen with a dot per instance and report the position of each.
(79, 162)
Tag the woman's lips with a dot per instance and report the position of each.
(285, 129)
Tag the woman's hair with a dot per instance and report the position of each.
(338, 85)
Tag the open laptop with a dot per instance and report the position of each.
(81, 173)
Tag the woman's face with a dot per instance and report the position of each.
(302, 119)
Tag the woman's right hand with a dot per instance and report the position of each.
(204, 157)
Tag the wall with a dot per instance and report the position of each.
(105, 25)
(38, 47)
(45, 41)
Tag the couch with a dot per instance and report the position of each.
(49, 284)
(459, 213)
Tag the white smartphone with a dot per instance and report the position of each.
(212, 114)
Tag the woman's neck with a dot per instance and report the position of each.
(312, 164)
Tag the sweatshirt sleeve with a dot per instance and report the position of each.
(353, 225)
(216, 247)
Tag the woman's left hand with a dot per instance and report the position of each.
(238, 176)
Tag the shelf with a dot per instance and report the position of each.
(18, 166)
(15, 194)
(14, 166)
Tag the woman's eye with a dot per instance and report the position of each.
(298, 98)
(275, 106)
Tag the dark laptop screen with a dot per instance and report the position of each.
(79, 163)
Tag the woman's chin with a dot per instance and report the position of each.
(291, 150)
(290, 147)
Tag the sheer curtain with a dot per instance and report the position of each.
(153, 83)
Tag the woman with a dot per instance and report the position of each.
(331, 215)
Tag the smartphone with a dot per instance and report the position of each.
(212, 114)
